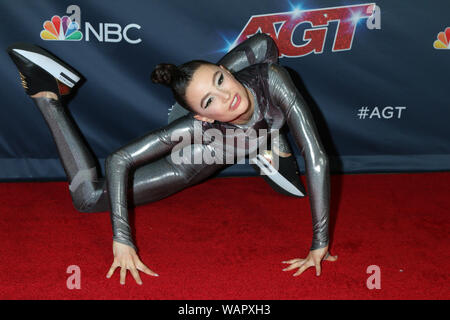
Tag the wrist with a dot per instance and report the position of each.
(318, 245)
(125, 242)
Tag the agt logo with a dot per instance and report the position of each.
(443, 39)
(68, 28)
(315, 22)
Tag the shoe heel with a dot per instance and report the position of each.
(63, 89)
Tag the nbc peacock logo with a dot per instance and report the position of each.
(443, 40)
(61, 29)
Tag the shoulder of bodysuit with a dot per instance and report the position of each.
(275, 70)
(262, 36)
(186, 121)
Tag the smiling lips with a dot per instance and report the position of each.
(235, 102)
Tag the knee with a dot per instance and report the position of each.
(88, 206)
(80, 205)
(87, 198)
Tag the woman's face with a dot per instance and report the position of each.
(215, 94)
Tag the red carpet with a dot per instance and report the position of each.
(226, 238)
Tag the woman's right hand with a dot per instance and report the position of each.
(126, 258)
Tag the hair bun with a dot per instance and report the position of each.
(164, 73)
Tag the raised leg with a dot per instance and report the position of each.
(46, 78)
(77, 160)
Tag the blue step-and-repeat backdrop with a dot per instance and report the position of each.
(376, 82)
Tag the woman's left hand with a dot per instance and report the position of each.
(314, 258)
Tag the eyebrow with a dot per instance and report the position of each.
(206, 95)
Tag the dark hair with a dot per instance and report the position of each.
(177, 78)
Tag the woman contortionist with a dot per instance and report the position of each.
(246, 90)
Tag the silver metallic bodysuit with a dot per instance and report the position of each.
(144, 170)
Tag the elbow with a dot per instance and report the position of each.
(320, 163)
(323, 160)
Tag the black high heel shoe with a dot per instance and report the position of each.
(41, 71)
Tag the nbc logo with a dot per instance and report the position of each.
(443, 40)
(61, 29)
(69, 28)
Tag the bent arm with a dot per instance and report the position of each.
(301, 123)
(260, 48)
(148, 148)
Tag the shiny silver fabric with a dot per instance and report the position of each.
(301, 124)
(277, 101)
(77, 160)
(260, 48)
(144, 171)
(157, 176)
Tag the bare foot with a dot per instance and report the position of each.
(45, 94)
